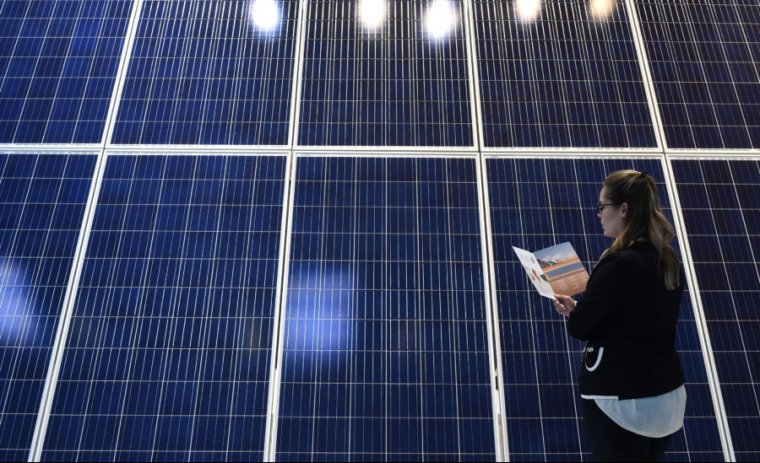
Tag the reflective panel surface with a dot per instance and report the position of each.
(58, 63)
(401, 84)
(721, 207)
(559, 73)
(42, 203)
(704, 59)
(210, 73)
(385, 352)
(169, 348)
(535, 204)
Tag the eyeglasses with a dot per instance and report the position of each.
(600, 206)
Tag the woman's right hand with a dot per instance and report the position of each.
(564, 305)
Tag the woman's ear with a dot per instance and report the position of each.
(624, 209)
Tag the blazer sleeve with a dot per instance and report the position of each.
(605, 290)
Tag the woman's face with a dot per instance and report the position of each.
(612, 216)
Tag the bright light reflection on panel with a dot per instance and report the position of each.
(265, 15)
(15, 303)
(528, 10)
(209, 72)
(372, 13)
(441, 19)
(42, 202)
(601, 9)
(385, 354)
(398, 86)
(168, 352)
(563, 80)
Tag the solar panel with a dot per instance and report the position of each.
(395, 85)
(203, 72)
(58, 63)
(559, 77)
(168, 353)
(720, 207)
(704, 59)
(42, 202)
(385, 347)
(536, 203)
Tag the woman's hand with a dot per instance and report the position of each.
(564, 304)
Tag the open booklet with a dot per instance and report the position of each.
(554, 270)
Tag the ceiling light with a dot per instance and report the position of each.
(527, 10)
(372, 13)
(441, 19)
(601, 9)
(265, 15)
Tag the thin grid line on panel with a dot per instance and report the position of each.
(338, 406)
(58, 70)
(199, 371)
(204, 73)
(43, 199)
(562, 78)
(718, 198)
(704, 63)
(534, 205)
(393, 86)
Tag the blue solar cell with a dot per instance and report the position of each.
(42, 202)
(703, 57)
(563, 78)
(57, 68)
(202, 72)
(391, 86)
(170, 341)
(725, 249)
(534, 204)
(385, 350)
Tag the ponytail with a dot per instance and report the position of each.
(645, 222)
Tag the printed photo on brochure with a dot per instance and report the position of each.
(554, 270)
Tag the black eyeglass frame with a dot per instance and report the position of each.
(600, 206)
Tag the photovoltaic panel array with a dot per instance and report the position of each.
(42, 202)
(564, 75)
(385, 346)
(398, 84)
(204, 72)
(58, 63)
(168, 353)
(721, 208)
(704, 59)
(535, 204)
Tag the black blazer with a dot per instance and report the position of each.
(629, 319)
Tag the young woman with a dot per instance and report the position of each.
(630, 379)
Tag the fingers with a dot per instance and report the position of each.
(563, 304)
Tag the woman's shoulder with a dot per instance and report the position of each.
(639, 255)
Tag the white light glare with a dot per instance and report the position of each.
(441, 19)
(372, 13)
(527, 10)
(601, 9)
(265, 15)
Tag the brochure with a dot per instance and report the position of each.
(554, 270)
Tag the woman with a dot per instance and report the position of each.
(631, 379)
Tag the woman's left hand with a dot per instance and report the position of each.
(564, 305)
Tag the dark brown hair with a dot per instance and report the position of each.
(645, 221)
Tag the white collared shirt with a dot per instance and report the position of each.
(656, 416)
